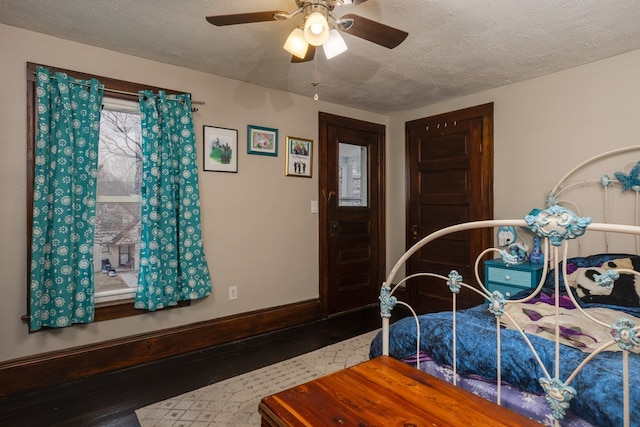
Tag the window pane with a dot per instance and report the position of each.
(352, 170)
(118, 201)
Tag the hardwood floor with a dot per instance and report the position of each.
(109, 400)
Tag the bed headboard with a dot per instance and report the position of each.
(607, 187)
(563, 231)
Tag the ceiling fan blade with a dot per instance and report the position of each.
(311, 52)
(373, 31)
(244, 18)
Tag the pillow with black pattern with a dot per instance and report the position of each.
(625, 291)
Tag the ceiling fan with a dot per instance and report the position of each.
(320, 27)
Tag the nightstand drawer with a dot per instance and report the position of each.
(506, 291)
(509, 277)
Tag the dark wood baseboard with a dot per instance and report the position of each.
(53, 368)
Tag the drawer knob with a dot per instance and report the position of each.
(507, 277)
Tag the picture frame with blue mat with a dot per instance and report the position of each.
(262, 140)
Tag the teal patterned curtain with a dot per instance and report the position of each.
(64, 200)
(172, 262)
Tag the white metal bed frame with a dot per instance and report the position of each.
(556, 226)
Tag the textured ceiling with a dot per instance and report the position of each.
(454, 47)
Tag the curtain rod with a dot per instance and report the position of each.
(122, 92)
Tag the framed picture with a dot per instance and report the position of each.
(298, 161)
(263, 141)
(220, 149)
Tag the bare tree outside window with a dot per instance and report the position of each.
(120, 156)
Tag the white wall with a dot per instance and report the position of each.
(259, 234)
(542, 128)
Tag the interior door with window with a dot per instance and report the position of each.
(351, 212)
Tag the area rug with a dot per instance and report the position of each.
(234, 402)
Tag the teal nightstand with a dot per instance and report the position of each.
(511, 279)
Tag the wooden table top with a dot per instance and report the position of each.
(383, 392)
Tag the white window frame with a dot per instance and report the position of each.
(131, 107)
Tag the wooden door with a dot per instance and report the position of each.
(352, 263)
(450, 164)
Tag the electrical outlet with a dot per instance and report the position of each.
(233, 292)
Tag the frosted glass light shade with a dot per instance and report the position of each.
(316, 29)
(296, 44)
(334, 45)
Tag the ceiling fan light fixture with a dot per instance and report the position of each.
(296, 43)
(335, 44)
(316, 29)
(318, 26)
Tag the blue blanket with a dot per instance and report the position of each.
(599, 385)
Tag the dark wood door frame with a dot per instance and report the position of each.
(325, 120)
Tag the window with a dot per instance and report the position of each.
(118, 200)
(352, 175)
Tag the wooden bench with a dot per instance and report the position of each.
(383, 392)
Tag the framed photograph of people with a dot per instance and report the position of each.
(299, 157)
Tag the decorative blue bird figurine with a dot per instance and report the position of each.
(631, 181)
